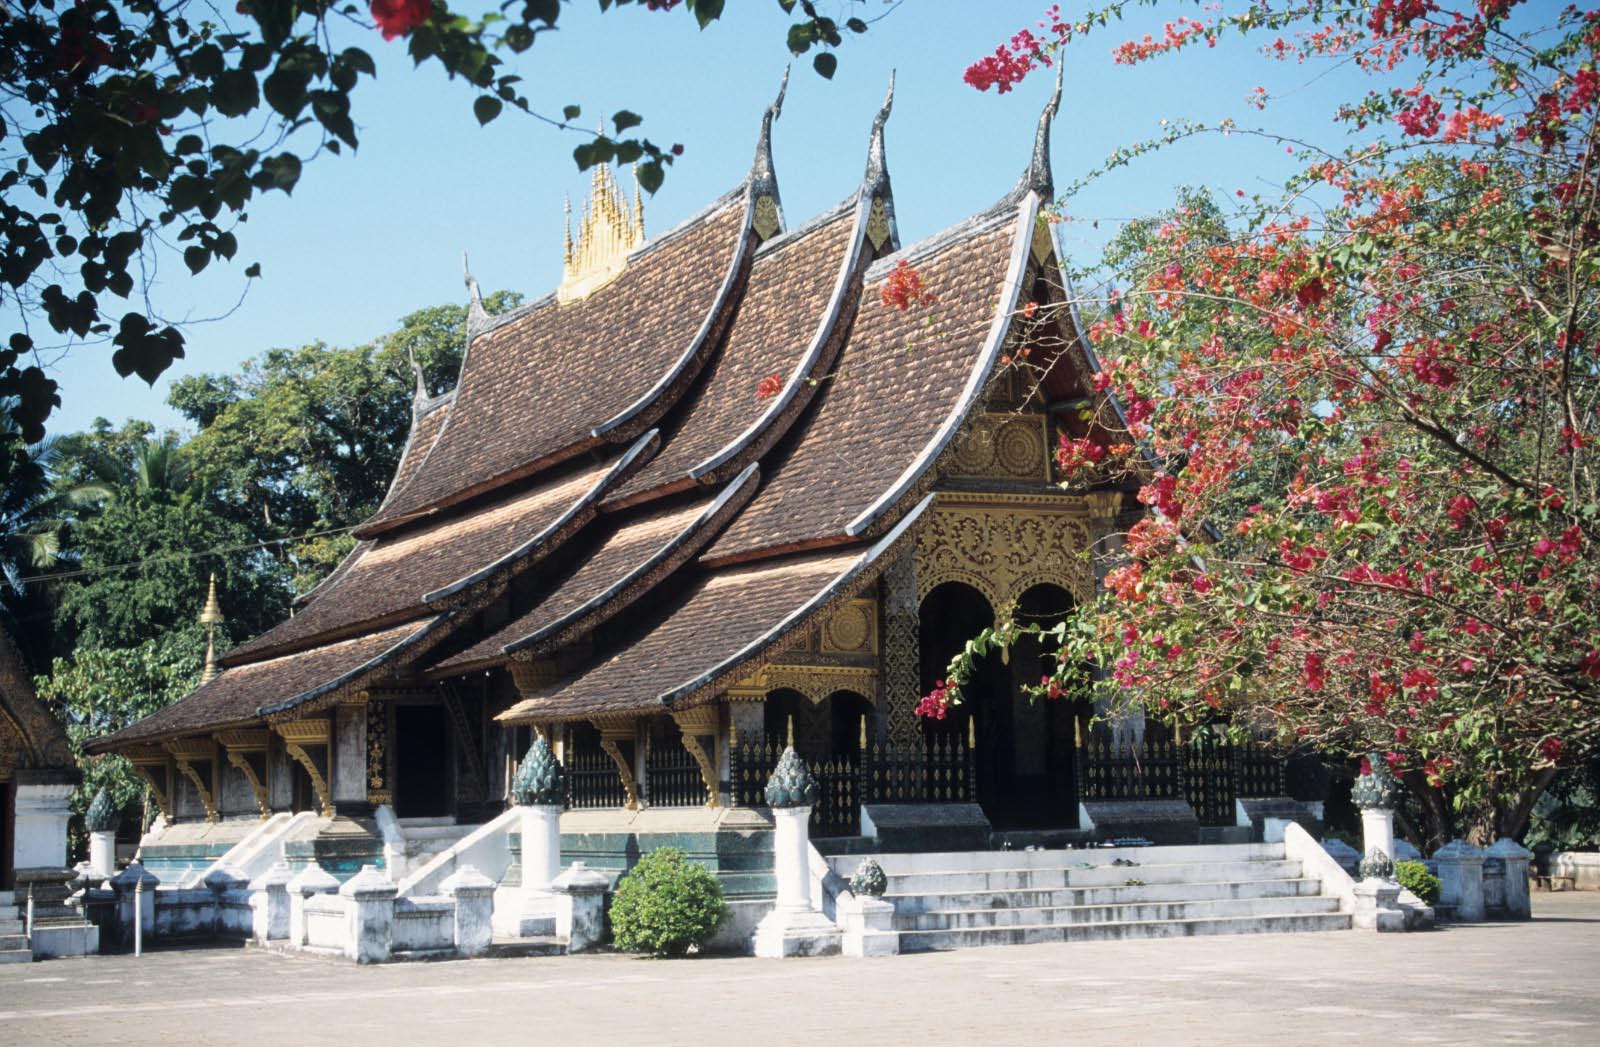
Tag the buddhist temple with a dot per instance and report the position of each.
(740, 483)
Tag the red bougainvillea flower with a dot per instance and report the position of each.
(398, 17)
(769, 386)
(903, 289)
(1550, 749)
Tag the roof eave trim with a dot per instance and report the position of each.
(812, 356)
(1010, 290)
(733, 496)
(756, 647)
(586, 504)
(372, 664)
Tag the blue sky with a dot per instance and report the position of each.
(368, 237)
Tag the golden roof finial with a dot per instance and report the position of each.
(607, 233)
(211, 617)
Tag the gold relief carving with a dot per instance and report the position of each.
(1103, 503)
(1003, 551)
(1043, 242)
(608, 744)
(1005, 446)
(378, 790)
(878, 225)
(817, 682)
(902, 657)
(143, 759)
(702, 719)
(708, 770)
(296, 735)
(238, 745)
(750, 689)
(194, 749)
(766, 222)
(852, 629)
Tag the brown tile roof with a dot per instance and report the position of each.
(628, 562)
(392, 576)
(714, 632)
(538, 384)
(245, 694)
(712, 622)
(784, 304)
(901, 379)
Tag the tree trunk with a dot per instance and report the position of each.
(1513, 819)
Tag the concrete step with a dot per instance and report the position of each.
(16, 955)
(944, 881)
(1119, 895)
(1029, 934)
(950, 919)
(16, 940)
(971, 861)
(12, 927)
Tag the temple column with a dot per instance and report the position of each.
(349, 757)
(900, 684)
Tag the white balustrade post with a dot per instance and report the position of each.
(1461, 880)
(793, 928)
(369, 913)
(269, 901)
(1519, 906)
(312, 880)
(473, 894)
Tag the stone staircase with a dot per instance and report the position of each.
(14, 946)
(965, 899)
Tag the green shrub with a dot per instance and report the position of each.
(1415, 877)
(666, 904)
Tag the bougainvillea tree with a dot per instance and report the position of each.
(1363, 416)
(133, 125)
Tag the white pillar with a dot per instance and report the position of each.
(103, 855)
(541, 844)
(791, 864)
(269, 900)
(473, 894)
(1377, 831)
(369, 914)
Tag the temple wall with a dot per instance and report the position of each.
(236, 797)
(349, 756)
(280, 787)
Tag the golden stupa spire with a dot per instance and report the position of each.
(607, 232)
(211, 617)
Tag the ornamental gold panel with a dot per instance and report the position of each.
(853, 628)
(1003, 550)
(1003, 446)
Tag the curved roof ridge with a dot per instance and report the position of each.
(584, 506)
(360, 672)
(580, 619)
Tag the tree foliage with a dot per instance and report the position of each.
(1408, 337)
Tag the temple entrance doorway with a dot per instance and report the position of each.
(827, 735)
(422, 787)
(1024, 753)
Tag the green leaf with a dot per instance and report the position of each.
(650, 175)
(624, 120)
(571, 112)
(825, 63)
(196, 258)
(486, 108)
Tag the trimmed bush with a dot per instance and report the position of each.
(1415, 877)
(666, 904)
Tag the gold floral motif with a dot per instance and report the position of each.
(1003, 551)
(852, 629)
(1004, 446)
(878, 225)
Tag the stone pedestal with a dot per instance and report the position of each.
(1377, 831)
(1378, 907)
(1518, 906)
(227, 886)
(102, 856)
(135, 888)
(310, 881)
(793, 928)
(369, 913)
(59, 929)
(40, 826)
(1461, 880)
(580, 897)
(473, 894)
(269, 902)
(868, 926)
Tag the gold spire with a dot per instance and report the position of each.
(607, 232)
(211, 617)
(788, 738)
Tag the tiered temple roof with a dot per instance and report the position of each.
(605, 493)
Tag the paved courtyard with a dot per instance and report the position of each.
(1536, 983)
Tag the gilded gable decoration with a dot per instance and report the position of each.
(607, 233)
(1003, 545)
(1004, 446)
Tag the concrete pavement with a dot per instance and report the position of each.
(1535, 983)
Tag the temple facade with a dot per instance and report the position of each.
(741, 484)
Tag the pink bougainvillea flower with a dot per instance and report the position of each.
(398, 17)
